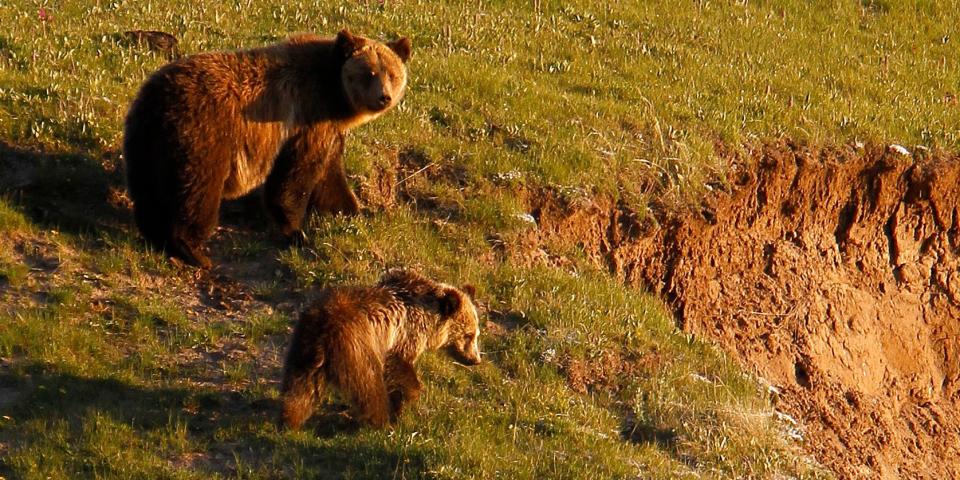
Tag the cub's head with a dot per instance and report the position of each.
(463, 324)
(455, 324)
(374, 74)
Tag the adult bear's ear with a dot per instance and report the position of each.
(470, 290)
(401, 48)
(449, 303)
(346, 42)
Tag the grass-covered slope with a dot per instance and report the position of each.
(115, 364)
(567, 92)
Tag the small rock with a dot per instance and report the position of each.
(548, 355)
(898, 149)
(699, 378)
(526, 217)
(505, 177)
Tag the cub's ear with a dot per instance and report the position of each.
(470, 290)
(449, 303)
(347, 42)
(401, 48)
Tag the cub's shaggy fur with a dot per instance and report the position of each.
(365, 340)
(218, 125)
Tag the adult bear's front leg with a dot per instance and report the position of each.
(403, 384)
(289, 188)
(332, 193)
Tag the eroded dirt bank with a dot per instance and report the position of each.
(833, 273)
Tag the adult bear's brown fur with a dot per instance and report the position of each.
(365, 340)
(218, 125)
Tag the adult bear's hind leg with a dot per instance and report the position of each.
(197, 213)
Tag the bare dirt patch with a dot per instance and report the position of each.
(832, 272)
(602, 372)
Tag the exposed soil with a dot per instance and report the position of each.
(598, 373)
(833, 273)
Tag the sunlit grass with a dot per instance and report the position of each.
(567, 92)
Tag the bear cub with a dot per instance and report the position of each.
(365, 340)
(218, 125)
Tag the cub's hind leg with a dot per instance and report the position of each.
(358, 373)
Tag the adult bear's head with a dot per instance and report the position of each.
(374, 74)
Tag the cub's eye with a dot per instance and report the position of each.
(373, 74)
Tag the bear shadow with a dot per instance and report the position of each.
(643, 433)
(331, 420)
(69, 401)
(72, 192)
(86, 192)
(511, 320)
(83, 193)
(638, 432)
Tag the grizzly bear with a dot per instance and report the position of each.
(365, 340)
(216, 126)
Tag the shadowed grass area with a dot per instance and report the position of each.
(116, 364)
(88, 427)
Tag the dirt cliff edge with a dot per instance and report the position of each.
(831, 272)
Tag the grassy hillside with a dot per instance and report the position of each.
(115, 364)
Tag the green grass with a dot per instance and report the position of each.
(113, 396)
(116, 364)
(563, 92)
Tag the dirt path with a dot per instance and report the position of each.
(833, 273)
